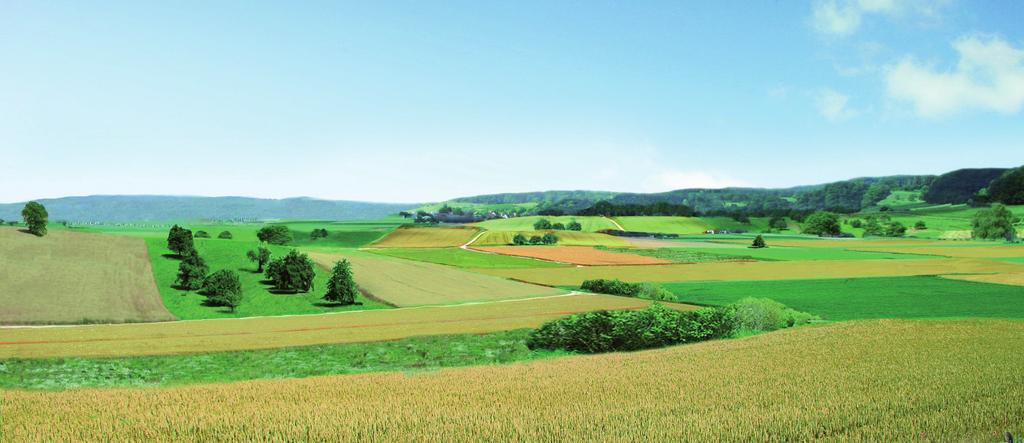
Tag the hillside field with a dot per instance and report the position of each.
(577, 255)
(427, 237)
(463, 258)
(69, 277)
(565, 238)
(885, 380)
(588, 224)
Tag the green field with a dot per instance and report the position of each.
(665, 225)
(463, 258)
(797, 253)
(257, 298)
(565, 238)
(409, 354)
(866, 298)
(589, 224)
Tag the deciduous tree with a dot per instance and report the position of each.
(341, 287)
(35, 217)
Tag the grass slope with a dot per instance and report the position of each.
(565, 238)
(257, 298)
(70, 277)
(883, 380)
(666, 225)
(588, 224)
(864, 298)
(410, 354)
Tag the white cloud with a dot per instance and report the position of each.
(989, 76)
(844, 17)
(671, 180)
(834, 105)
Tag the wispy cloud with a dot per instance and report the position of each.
(834, 105)
(989, 76)
(844, 17)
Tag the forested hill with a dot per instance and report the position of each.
(120, 208)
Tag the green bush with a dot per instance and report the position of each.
(201, 234)
(608, 331)
(649, 291)
(226, 235)
(762, 314)
(223, 288)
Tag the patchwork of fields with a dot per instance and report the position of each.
(867, 381)
(565, 238)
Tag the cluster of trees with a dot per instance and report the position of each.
(1008, 188)
(822, 224)
(882, 226)
(318, 234)
(618, 287)
(291, 273)
(546, 239)
(960, 186)
(35, 216)
(995, 223)
(544, 224)
(222, 288)
(658, 326)
(662, 208)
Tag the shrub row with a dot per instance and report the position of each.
(619, 287)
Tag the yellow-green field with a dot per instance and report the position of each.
(274, 332)
(779, 270)
(426, 237)
(882, 380)
(988, 251)
(565, 238)
(413, 283)
(666, 225)
(588, 224)
(70, 277)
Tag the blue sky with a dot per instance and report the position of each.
(420, 101)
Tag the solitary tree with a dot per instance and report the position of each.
(275, 234)
(759, 242)
(293, 272)
(920, 226)
(226, 235)
(35, 218)
(261, 256)
(519, 240)
(895, 229)
(822, 224)
(341, 288)
(179, 240)
(574, 226)
(223, 288)
(994, 223)
(192, 271)
(201, 234)
(536, 240)
(542, 224)
(558, 226)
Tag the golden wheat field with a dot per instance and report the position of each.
(886, 380)
(759, 270)
(421, 237)
(272, 332)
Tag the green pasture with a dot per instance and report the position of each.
(589, 224)
(257, 299)
(867, 298)
(665, 225)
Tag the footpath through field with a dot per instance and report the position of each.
(182, 337)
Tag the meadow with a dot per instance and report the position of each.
(884, 380)
(667, 225)
(301, 330)
(565, 238)
(867, 298)
(70, 277)
(587, 224)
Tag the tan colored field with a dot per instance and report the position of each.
(578, 255)
(72, 277)
(991, 251)
(421, 237)
(885, 380)
(759, 270)
(565, 238)
(194, 336)
(413, 283)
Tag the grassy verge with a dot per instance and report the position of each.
(411, 354)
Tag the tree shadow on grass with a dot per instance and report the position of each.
(285, 291)
(173, 256)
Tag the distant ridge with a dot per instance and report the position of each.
(124, 208)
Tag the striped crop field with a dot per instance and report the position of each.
(426, 237)
(989, 251)
(565, 238)
(412, 283)
(881, 380)
(274, 332)
(578, 255)
(761, 270)
(74, 277)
